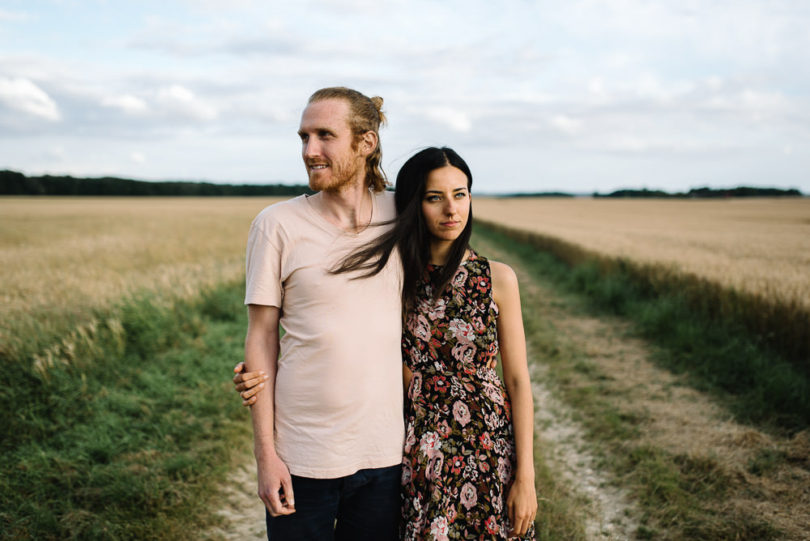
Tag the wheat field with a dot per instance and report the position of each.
(61, 257)
(759, 246)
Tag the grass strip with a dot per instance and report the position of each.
(779, 324)
(125, 428)
(719, 355)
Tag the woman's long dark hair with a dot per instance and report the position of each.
(409, 232)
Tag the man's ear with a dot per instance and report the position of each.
(368, 143)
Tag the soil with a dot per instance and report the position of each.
(241, 510)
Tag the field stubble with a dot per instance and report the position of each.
(742, 260)
(760, 246)
(62, 258)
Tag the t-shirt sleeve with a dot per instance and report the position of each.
(263, 262)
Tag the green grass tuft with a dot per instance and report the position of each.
(125, 429)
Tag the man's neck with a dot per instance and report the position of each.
(348, 207)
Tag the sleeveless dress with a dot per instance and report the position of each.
(459, 452)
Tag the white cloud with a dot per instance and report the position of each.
(55, 154)
(23, 95)
(137, 157)
(566, 124)
(12, 16)
(181, 101)
(747, 100)
(129, 104)
(457, 121)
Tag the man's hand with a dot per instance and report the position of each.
(248, 384)
(275, 486)
(521, 506)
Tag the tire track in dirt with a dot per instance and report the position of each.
(610, 512)
(241, 510)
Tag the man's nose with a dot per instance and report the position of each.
(311, 149)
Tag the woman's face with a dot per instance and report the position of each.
(446, 203)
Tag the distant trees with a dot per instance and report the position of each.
(740, 191)
(15, 183)
(743, 191)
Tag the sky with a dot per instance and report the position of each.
(577, 96)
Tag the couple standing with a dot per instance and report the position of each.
(373, 288)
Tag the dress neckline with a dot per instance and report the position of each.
(471, 256)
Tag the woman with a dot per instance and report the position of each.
(468, 469)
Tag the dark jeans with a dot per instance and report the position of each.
(361, 506)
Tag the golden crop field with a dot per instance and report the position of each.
(61, 257)
(760, 246)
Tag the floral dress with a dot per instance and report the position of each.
(459, 453)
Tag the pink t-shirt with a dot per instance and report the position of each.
(338, 401)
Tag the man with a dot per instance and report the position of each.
(328, 430)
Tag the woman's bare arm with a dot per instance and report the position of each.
(522, 498)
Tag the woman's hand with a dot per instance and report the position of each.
(521, 506)
(248, 384)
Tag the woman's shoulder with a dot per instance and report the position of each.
(501, 272)
(504, 280)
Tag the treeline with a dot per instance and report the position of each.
(14, 183)
(537, 194)
(707, 193)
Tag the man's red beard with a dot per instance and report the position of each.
(336, 175)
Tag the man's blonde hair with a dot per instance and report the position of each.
(365, 115)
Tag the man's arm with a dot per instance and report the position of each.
(261, 354)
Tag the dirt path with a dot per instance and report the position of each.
(241, 510)
(610, 514)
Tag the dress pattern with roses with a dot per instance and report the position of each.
(459, 446)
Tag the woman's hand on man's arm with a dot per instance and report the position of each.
(248, 384)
